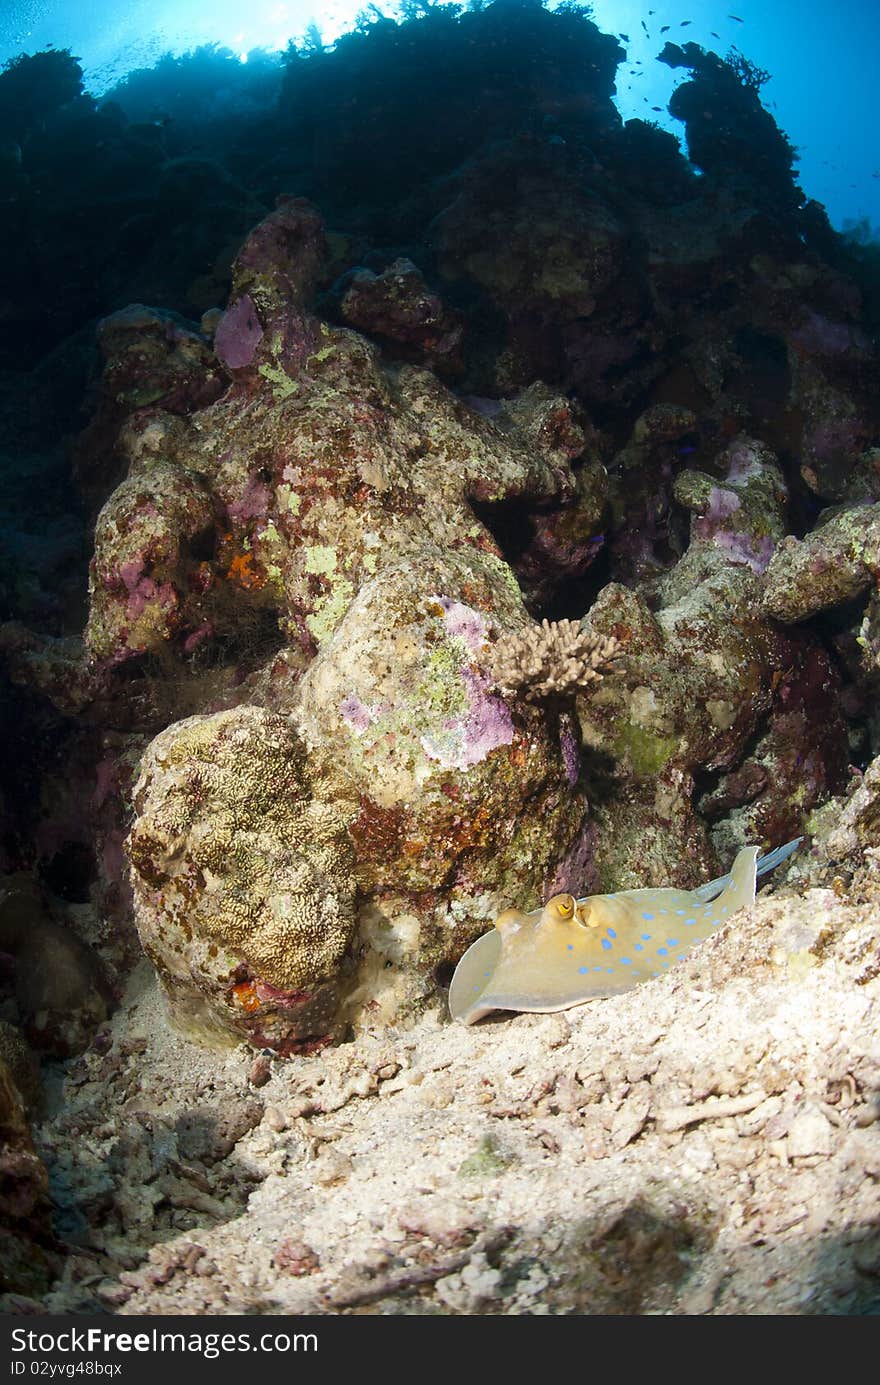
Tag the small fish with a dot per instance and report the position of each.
(684, 23)
(664, 28)
(737, 18)
(575, 950)
(655, 108)
(644, 26)
(625, 37)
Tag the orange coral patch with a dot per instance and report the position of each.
(244, 571)
(245, 995)
(473, 595)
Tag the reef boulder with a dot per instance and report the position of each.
(243, 879)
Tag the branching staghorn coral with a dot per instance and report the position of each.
(554, 659)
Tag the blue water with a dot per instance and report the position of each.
(822, 60)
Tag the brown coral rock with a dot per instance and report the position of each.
(242, 875)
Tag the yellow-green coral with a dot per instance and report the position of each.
(282, 385)
(322, 561)
(646, 751)
(288, 499)
(330, 609)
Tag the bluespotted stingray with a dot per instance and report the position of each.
(575, 950)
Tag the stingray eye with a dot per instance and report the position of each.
(565, 906)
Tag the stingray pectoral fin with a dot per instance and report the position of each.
(472, 976)
(537, 979)
(548, 1000)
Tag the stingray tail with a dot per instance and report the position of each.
(769, 862)
(778, 855)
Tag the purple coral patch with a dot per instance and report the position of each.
(271, 995)
(747, 551)
(143, 590)
(239, 333)
(253, 503)
(818, 334)
(130, 573)
(722, 504)
(488, 724)
(463, 623)
(571, 754)
(576, 872)
(355, 713)
(198, 637)
(468, 739)
(743, 464)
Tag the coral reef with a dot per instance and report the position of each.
(243, 878)
(24, 1070)
(835, 563)
(149, 357)
(334, 497)
(399, 309)
(855, 833)
(346, 492)
(709, 679)
(484, 511)
(731, 137)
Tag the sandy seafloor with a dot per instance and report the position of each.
(707, 1144)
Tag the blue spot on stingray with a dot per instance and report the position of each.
(609, 969)
(672, 942)
(638, 947)
(646, 937)
(582, 970)
(606, 944)
(648, 917)
(681, 911)
(597, 968)
(661, 952)
(625, 961)
(570, 947)
(611, 933)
